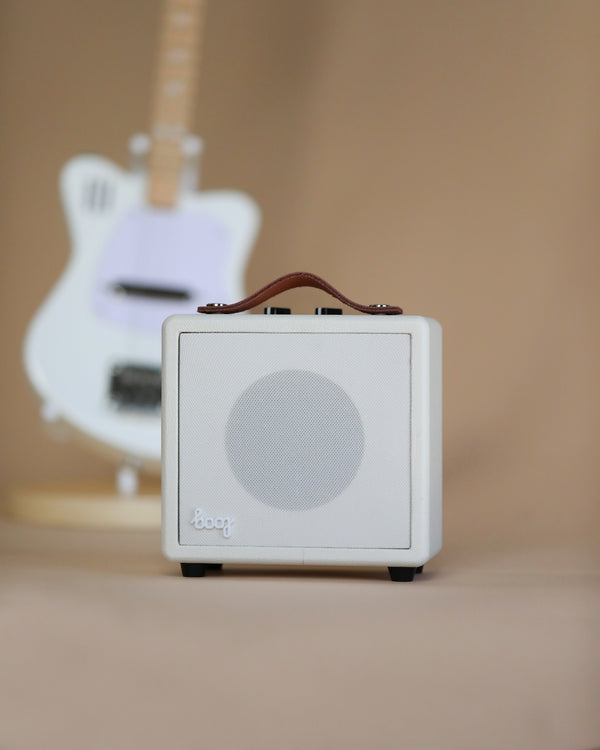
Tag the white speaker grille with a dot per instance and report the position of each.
(294, 440)
(302, 439)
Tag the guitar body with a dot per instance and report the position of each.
(93, 349)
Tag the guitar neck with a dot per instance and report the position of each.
(172, 113)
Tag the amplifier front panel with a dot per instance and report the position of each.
(295, 439)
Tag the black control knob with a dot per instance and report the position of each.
(328, 311)
(277, 311)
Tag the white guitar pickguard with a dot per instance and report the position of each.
(172, 259)
(183, 252)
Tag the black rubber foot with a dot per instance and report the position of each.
(419, 569)
(402, 574)
(214, 566)
(193, 570)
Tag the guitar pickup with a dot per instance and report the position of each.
(150, 292)
(135, 387)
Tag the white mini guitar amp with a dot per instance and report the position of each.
(301, 439)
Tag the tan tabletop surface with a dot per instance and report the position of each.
(104, 645)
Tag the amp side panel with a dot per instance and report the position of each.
(435, 433)
(170, 430)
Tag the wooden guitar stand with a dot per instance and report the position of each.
(84, 505)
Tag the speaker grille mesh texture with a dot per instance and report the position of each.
(302, 439)
(294, 440)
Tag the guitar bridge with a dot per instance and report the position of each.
(134, 387)
(152, 292)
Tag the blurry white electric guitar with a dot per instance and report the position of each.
(144, 245)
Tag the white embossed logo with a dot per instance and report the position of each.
(222, 523)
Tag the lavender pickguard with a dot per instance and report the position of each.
(162, 249)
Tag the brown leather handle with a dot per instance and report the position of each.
(292, 281)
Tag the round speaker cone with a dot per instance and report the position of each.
(294, 440)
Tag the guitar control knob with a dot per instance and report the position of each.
(277, 311)
(328, 311)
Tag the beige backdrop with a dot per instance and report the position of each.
(444, 156)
